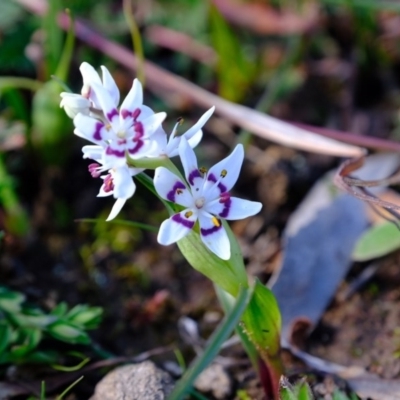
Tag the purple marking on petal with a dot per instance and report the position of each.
(177, 218)
(171, 194)
(138, 145)
(125, 113)
(116, 153)
(210, 231)
(194, 174)
(135, 113)
(97, 130)
(113, 113)
(227, 206)
(220, 185)
(139, 131)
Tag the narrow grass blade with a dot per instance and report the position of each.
(215, 342)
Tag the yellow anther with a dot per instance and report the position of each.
(203, 170)
(216, 221)
(180, 120)
(188, 214)
(108, 127)
(224, 172)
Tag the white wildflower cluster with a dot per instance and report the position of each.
(134, 131)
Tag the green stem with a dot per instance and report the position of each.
(136, 39)
(13, 82)
(69, 388)
(68, 50)
(215, 342)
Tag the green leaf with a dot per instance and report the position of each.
(31, 339)
(68, 333)
(227, 302)
(230, 275)
(338, 395)
(60, 309)
(304, 392)
(5, 335)
(85, 316)
(10, 301)
(378, 241)
(286, 393)
(262, 324)
(32, 321)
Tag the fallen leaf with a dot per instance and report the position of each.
(318, 243)
(377, 241)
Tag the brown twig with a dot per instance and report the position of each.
(181, 43)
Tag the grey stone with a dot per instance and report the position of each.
(143, 381)
(214, 380)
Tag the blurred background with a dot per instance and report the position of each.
(327, 63)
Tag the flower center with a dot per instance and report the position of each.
(199, 203)
(121, 134)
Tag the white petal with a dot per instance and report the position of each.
(160, 140)
(91, 129)
(110, 85)
(226, 172)
(176, 227)
(233, 208)
(189, 162)
(106, 102)
(145, 112)
(171, 188)
(124, 187)
(90, 77)
(152, 124)
(134, 98)
(94, 152)
(214, 236)
(89, 74)
(115, 154)
(135, 171)
(74, 104)
(195, 139)
(116, 209)
(174, 142)
(199, 124)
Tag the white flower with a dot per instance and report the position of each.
(206, 199)
(90, 77)
(127, 130)
(74, 104)
(117, 182)
(81, 103)
(169, 146)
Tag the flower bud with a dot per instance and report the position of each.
(74, 104)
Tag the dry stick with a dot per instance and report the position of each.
(351, 138)
(361, 193)
(260, 124)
